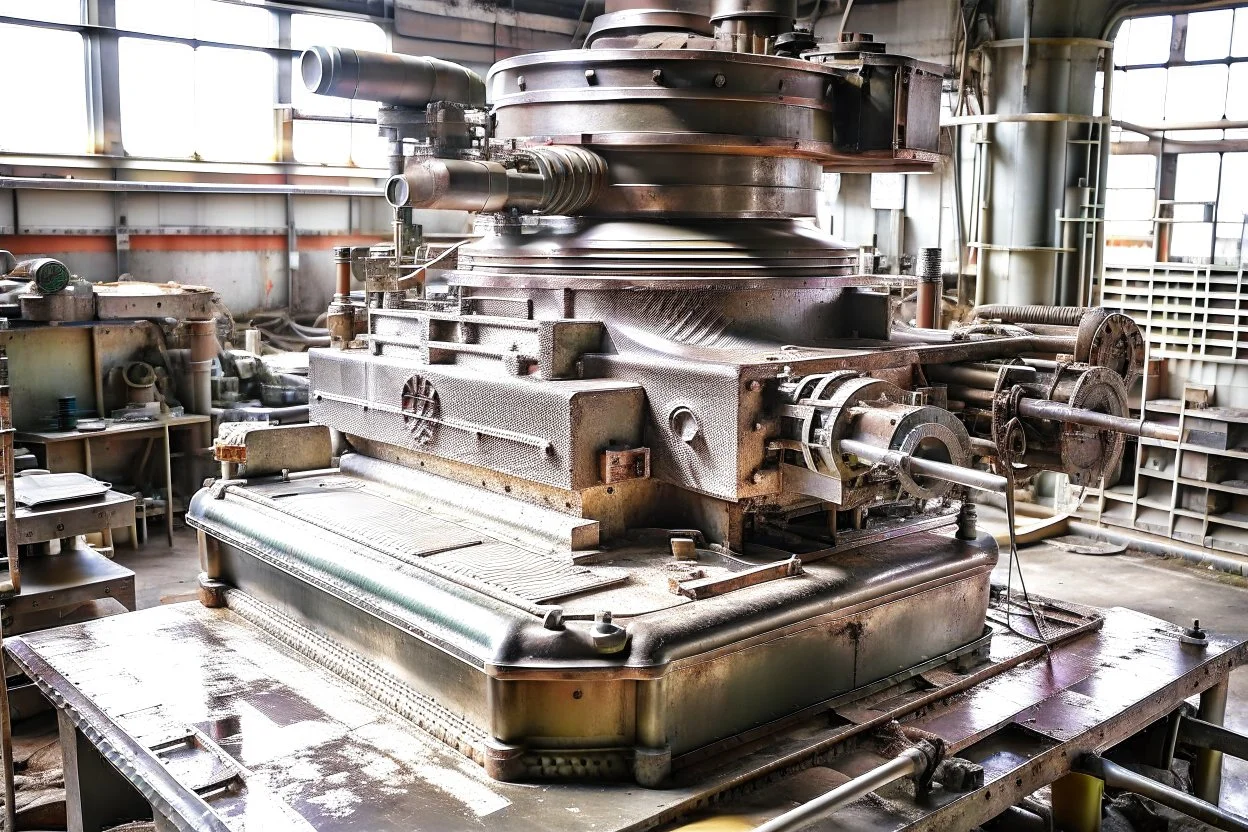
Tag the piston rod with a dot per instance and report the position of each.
(969, 477)
(1041, 409)
(903, 765)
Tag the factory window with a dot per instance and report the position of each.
(1173, 188)
(60, 60)
(324, 142)
(208, 102)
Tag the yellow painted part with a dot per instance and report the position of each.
(1077, 803)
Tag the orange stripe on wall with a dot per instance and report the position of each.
(23, 244)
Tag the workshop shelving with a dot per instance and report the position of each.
(1194, 491)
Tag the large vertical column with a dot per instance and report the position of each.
(1043, 68)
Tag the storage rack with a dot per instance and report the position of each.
(1196, 490)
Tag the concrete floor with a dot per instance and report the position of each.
(1164, 589)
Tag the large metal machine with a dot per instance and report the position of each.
(647, 470)
(621, 465)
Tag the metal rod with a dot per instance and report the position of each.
(969, 477)
(901, 766)
(961, 374)
(1207, 770)
(1041, 409)
(1115, 776)
(1202, 734)
(10, 473)
(118, 185)
(6, 742)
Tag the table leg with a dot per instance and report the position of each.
(96, 795)
(168, 487)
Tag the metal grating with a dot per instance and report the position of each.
(531, 576)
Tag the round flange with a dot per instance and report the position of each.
(1087, 453)
(1114, 343)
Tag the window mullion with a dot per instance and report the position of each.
(103, 79)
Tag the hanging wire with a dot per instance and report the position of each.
(1006, 463)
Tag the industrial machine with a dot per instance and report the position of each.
(644, 436)
(646, 473)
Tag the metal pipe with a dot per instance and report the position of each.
(969, 477)
(931, 287)
(10, 473)
(204, 346)
(1162, 548)
(402, 80)
(564, 180)
(903, 765)
(960, 374)
(6, 742)
(1207, 770)
(1058, 412)
(1117, 777)
(122, 186)
(1202, 734)
(1030, 314)
(971, 395)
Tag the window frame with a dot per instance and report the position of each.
(101, 67)
(1163, 140)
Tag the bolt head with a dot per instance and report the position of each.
(720, 80)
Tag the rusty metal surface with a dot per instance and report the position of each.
(1026, 727)
(307, 750)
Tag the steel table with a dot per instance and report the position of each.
(207, 721)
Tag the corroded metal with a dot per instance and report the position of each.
(184, 671)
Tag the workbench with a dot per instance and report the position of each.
(52, 584)
(55, 445)
(210, 719)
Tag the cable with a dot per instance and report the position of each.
(849, 7)
(1006, 463)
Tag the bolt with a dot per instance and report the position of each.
(602, 617)
(591, 77)
(720, 80)
(754, 386)
(758, 477)
(827, 91)
(657, 76)
(520, 82)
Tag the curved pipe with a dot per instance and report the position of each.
(403, 80)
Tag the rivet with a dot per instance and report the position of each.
(720, 80)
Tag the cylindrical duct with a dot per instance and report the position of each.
(563, 180)
(203, 340)
(402, 80)
(927, 312)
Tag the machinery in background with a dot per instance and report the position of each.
(644, 485)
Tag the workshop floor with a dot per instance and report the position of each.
(1165, 589)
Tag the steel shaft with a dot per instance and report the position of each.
(1041, 409)
(969, 477)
